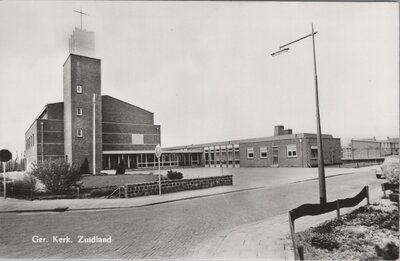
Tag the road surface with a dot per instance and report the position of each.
(171, 230)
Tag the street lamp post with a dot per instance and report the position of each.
(41, 129)
(321, 169)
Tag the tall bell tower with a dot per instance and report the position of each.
(82, 103)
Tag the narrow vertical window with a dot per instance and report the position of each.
(79, 111)
(79, 89)
(79, 133)
(314, 152)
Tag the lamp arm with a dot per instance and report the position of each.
(304, 37)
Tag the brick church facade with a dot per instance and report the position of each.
(66, 129)
(88, 124)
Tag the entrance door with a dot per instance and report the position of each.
(275, 153)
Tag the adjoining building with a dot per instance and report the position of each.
(284, 149)
(346, 153)
(390, 146)
(366, 149)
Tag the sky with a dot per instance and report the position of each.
(204, 68)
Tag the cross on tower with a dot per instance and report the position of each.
(81, 13)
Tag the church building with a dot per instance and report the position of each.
(87, 124)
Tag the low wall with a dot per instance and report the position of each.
(168, 186)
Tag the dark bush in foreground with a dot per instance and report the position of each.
(57, 175)
(120, 168)
(85, 167)
(325, 241)
(174, 174)
(389, 252)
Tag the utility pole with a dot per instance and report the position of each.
(41, 125)
(94, 134)
(321, 165)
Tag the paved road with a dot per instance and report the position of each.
(172, 230)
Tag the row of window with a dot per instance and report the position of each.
(291, 151)
(79, 112)
(223, 149)
(30, 141)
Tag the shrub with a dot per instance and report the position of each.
(101, 192)
(22, 187)
(120, 168)
(57, 175)
(85, 167)
(328, 226)
(392, 172)
(174, 174)
(389, 252)
(324, 241)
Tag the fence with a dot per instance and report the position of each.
(318, 209)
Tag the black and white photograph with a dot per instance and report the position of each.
(199, 130)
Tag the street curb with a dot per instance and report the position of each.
(327, 177)
(64, 209)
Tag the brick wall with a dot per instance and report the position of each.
(169, 186)
(31, 150)
(113, 107)
(281, 145)
(331, 148)
(55, 111)
(118, 127)
(365, 149)
(84, 71)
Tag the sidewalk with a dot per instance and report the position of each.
(15, 205)
(269, 239)
(242, 182)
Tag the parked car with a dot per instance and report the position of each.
(389, 164)
(379, 173)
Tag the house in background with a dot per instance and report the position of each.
(364, 149)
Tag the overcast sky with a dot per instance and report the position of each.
(204, 68)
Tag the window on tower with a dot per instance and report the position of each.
(79, 111)
(79, 89)
(79, 133)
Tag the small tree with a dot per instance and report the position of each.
(174, 174)
(120, 168)
(85, 167)
(57, 175)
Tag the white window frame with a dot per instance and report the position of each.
(263, 149)
(250, 150)
(79, 133)
(79, 111)
(79, 88)
(291, 151)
